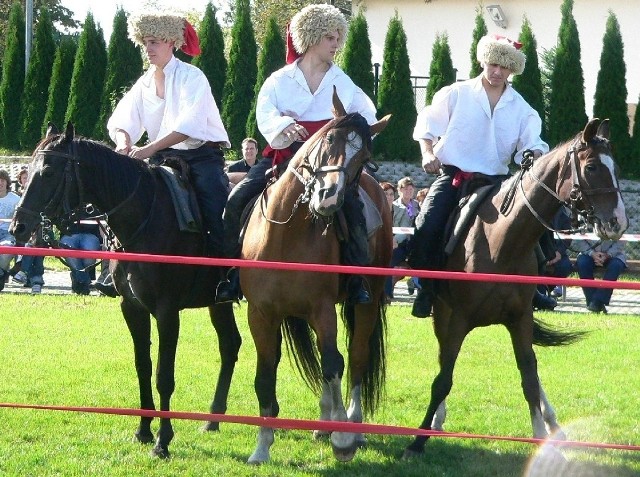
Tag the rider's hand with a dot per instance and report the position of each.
(430, 163)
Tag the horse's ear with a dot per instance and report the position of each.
(378, 127)
(70, 132)
(338, 107)
(590, 130)
(603, 129)
(51, 129)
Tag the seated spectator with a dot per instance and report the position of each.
(606, 254)
(31, 272)
(405, 209)
(238, 169)
(81, 236)
(8, 202)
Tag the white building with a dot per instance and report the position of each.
(423, 19)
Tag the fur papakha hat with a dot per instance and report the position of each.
(165, 27)
(499, 50)
(310, 24)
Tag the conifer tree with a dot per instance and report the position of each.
(87, 81)
(124, 66)
(441, 71)
(272, 58)
(241, 75)
(529, 83)
(611, 92)
(395, 96)
(566, 106)
(211, 60)
(479, 31)
(36, 86)
(355, 58)
(58, 94)
(12, 84)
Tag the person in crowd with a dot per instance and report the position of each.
(173, 104)
(606, 254)
(294, 103)
(405, 210)
(472, 126)
(238, 169)
(390, 192)
(8, 202)
(81, 236)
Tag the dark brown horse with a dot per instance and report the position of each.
(581, 174)
(281, 228)
(67, 173)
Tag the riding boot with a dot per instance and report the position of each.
(423, 304)
(229, 290)
(355, 250)
(357, 294)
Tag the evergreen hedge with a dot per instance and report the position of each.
(212, 61)
(12, 85)
(441, 71)
(479, 30)
(60, 85)
(355, 59)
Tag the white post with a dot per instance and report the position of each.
(28, 33)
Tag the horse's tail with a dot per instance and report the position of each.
(374, 376)
(301, 345)
(544, 335)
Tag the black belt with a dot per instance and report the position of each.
(215, 145)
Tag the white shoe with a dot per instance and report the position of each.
(20, 277)
(37, 288)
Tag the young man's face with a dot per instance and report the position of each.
(158, 51)
(496, 75)
(249, 152)
(328, 46)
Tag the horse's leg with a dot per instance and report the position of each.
(437, 424)
(168, 322)
(139, 323)
(549, 415)
(229, 342)
(450, 332)
(266, 337)
(522, 341)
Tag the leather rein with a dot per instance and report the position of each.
(580, 217)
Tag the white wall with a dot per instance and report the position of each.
(423, 19)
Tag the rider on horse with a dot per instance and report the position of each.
(294, 103)
(173, 103)
(471, 127)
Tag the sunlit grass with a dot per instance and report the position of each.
(76, 351)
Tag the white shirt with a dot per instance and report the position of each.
(7, 208)
(188, 107)
(465, 134)
(285, 98)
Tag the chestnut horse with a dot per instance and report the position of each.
(66, 174)
(282, 230)
(581, 174)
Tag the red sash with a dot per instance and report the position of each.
(278, 156)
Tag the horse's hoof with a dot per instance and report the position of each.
(258, 458)
(410, 454)
(143, 437)
(160, 452)
(345, 454)
(321, 435)
(211, 427)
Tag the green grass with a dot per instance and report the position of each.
(76, 351)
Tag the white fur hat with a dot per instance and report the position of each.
(165, 27)
(310, 24)
(499, 50)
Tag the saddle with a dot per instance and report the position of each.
(472, 193)
(174, 171)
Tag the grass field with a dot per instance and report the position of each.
(76, 351)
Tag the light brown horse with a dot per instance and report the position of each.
(282, 228)
(580, 174)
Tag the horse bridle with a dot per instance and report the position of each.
(314, 173)
(59, 204)
(578, 194)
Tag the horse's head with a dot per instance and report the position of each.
(335, 157)
(53, 188)
(595, 190)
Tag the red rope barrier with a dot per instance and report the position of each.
(310, 425)
(317, 267)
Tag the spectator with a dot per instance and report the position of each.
(405, 210)
(390, 191)
(238, 169)
(606, 254)
(81, 236)
(8, 202)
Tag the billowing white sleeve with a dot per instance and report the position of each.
(128, 115)
(432, 121)
(270, 121)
